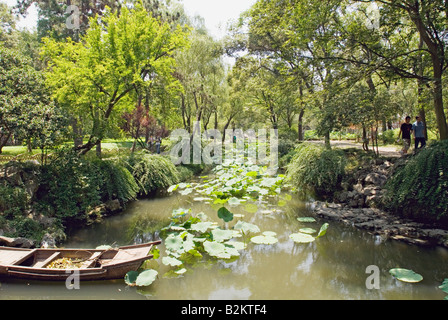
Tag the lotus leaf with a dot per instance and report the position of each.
(173, 188)
(308, 230)
(181, 271)
(173, 243)
(225, 214)
(406, 275)
(220, 235)
(306, 219)
(323, 230)
(146, 278)
(130, 278)
(234, 201)
(202, 227)
(246, 227)
(264, 239)
(302, 237)
(169, 261)
(216, 249)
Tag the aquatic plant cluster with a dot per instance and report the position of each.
(190, 236)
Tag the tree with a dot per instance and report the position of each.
(117, 56)
(26, 110)
(200, 70)
(396, 51)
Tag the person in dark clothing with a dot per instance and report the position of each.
(405, 133)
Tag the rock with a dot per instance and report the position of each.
(48, 241)
(342, 196)
(370, 190)
(376, 179)
(16, 242)
(358, 188)
(113, 205)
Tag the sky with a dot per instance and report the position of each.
(216, 13)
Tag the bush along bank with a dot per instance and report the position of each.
(398, 198)
(39, 202)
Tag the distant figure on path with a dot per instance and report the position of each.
(158, 145)
(418, 128)
(405, 134)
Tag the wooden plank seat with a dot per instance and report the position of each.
(11, 257)
(44, 263)
(92, 260)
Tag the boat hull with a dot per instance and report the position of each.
(110, 264)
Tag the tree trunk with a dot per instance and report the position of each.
(438, 101)
(300, 125)
(437, 66)
(77, 132)
(98, 149)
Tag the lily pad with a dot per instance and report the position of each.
(306, 219)
(301, 237)
(406, 275)
(130, 278)
(251, 208)
(323, 230)
(234, 201)
(263, 239)
(181, 271)
(307, 230)
(246, 227)
(201, 226)
(216, 249)
(173, 188)
(173, 243)
(169, 261)
(220, 235)
(146, 278)
(225, 214)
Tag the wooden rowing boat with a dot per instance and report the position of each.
(94, 264)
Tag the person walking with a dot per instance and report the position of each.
(405, 134)
(158, 142)
(418, 129)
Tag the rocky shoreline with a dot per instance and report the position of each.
(358, 205)
(386, 225)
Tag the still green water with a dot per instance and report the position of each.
(332, 267)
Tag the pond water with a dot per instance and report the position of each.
(332, 267)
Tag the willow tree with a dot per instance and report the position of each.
(118, 55)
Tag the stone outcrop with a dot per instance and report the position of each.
(378, 222)
(359, 202)
(366, 186)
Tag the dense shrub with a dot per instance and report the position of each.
(152, 172)
(116, 182)
(316, 169)
(419, 189)
(70, 186)
(13, 200)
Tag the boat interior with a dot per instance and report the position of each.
(39, 258)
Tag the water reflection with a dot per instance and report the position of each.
(332, 267)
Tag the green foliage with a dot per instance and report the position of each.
(316, 169)
(152, 172)
(419, 189)
(444, 287)
(13, 200)
(123, 52)
(69, 186)
(117, 182)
